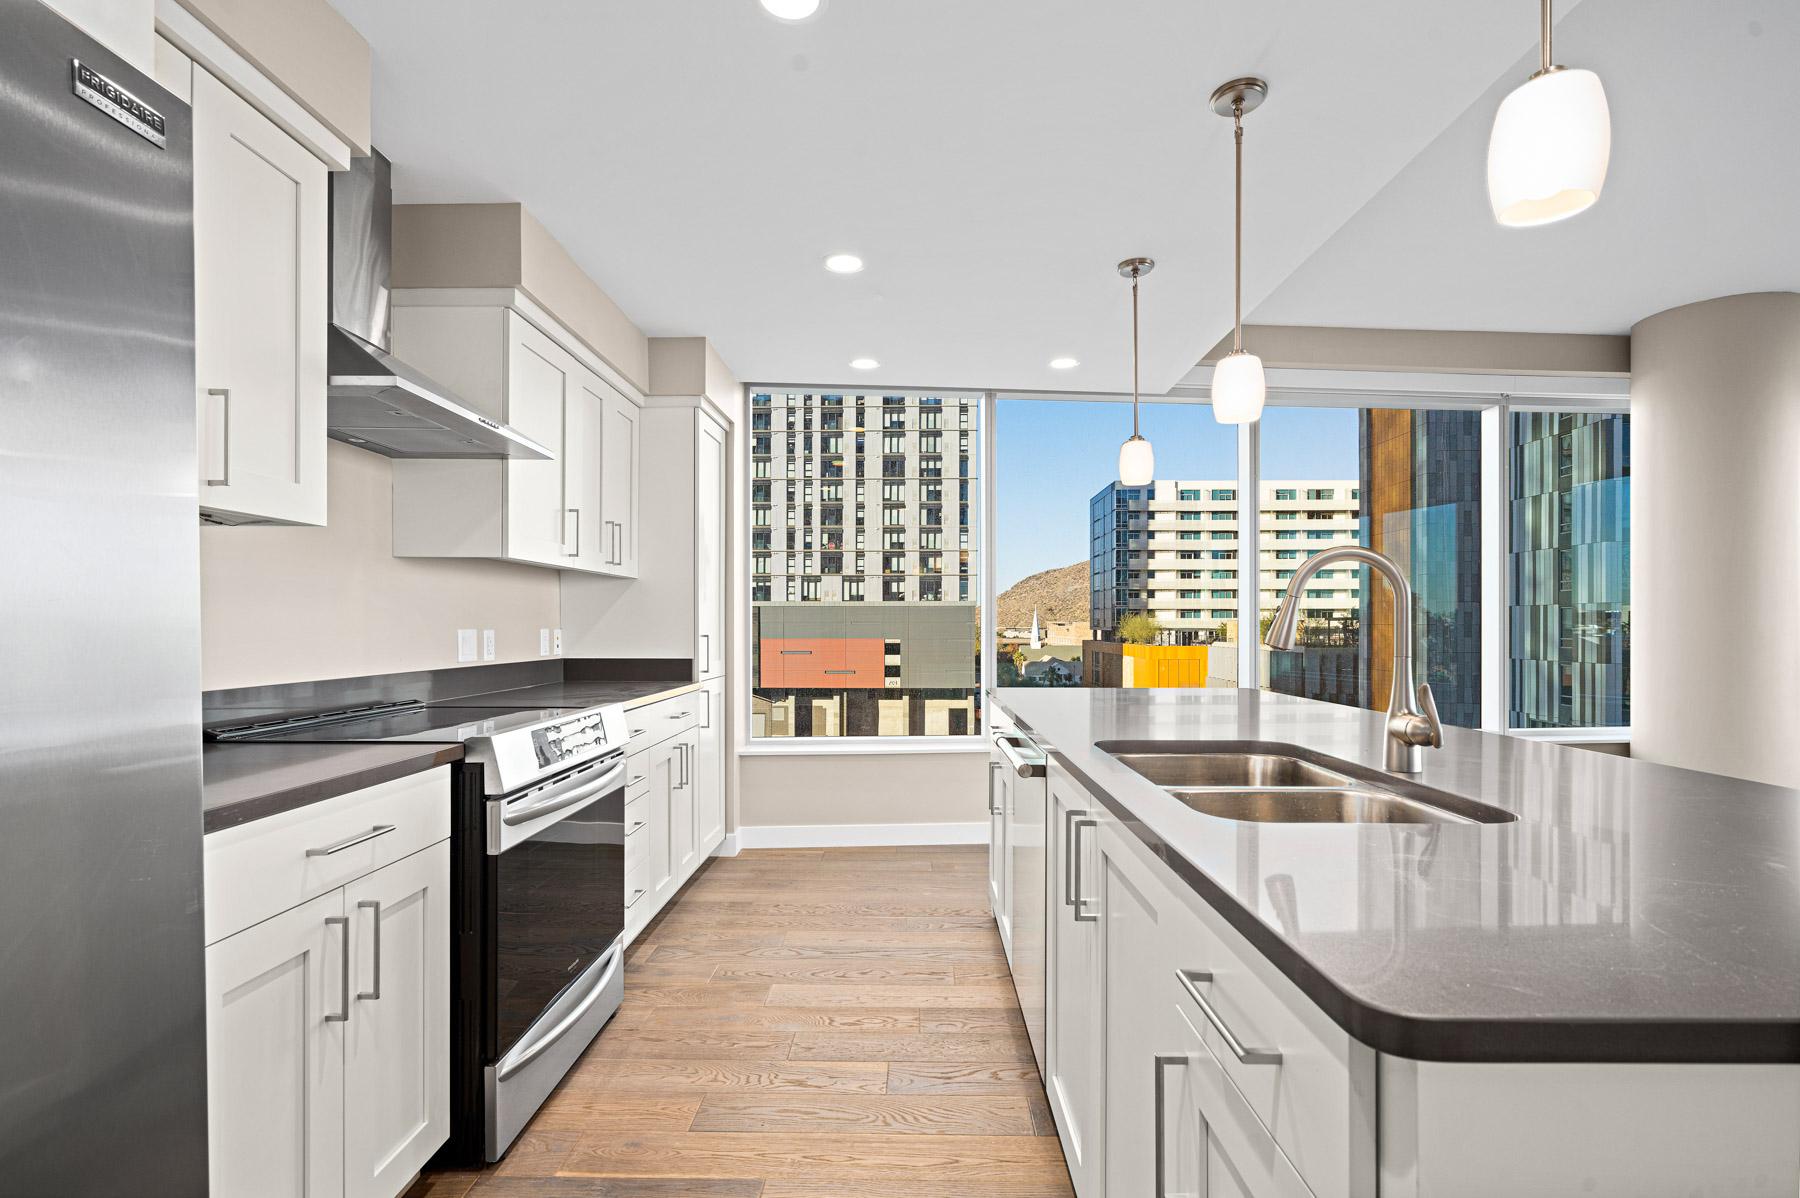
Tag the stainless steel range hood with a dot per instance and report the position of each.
(377, 402)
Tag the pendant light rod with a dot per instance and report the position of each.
(1234, 99)
(1135, 269)
(1544, 38)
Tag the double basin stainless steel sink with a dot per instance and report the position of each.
(1267, 783)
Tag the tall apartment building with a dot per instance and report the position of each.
(1172, 549)
(863, 555)
(1570, 570)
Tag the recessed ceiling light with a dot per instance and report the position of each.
(843, 264)
(1064, 363)
(791, 10)
(863, 363)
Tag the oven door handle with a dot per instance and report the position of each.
(524, 1054)
(514, 816)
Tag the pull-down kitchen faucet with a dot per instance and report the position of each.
(1412, 723)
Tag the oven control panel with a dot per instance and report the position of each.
(574, 739)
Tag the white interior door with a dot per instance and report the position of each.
(260, 264)
(275, 994)
(397, 1041)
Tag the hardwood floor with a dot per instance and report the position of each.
(802, 1023)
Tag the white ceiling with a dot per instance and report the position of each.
(991, 161)
(1702, 198)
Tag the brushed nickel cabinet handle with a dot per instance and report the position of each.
(1190, 981)
(576, 540)
(1080, 903)
(350, 842)
(224, 394)
(1162, 1188)
(342, 1016)
(374, 991)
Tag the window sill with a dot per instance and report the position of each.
(850, 746)
(1574, 736)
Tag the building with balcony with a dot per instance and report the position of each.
(1172, 549)
(863, 549)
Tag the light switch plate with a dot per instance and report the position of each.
(543, 642)
(487, 644)
(556, 641)
(465, 644)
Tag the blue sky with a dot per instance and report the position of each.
(1052, 457)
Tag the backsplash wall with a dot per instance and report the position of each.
(297, 604)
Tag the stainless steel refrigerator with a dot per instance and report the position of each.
(103, 1080)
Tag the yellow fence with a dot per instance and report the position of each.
(1164, 665)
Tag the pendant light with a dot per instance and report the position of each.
(1137, 461)
(1238, 387)
(1552, 138)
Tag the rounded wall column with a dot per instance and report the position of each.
(1715, 513)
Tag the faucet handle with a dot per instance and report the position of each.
(1429, 704)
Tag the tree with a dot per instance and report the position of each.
(1139, 628)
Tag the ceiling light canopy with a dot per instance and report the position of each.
(1552, 139)
(1064, 363)
(791, 10)
(1137, 461)
(863, 363)
(1238, 387)
(843, 264)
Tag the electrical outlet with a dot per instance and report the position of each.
(556, 641)
(487, 644)
(543, 642)
(465, 644)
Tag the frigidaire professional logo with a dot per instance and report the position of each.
(119, 104)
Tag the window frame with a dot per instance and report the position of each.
(1496, 397)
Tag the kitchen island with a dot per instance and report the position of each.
(1598, 994)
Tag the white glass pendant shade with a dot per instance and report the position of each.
(1137, 462)
(1238, 388)
(1548, 153)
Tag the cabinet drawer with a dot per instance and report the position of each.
(1217, 1144)
(656, 722)
(1317, 1100)
(637, 893)
(262, 868)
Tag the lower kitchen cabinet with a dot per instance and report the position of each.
(328, 1021)
(675, 797)
(1075, 1044)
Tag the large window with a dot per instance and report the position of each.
(1096, 583)
(1407, 483)
(1570, 570)
(876, 643)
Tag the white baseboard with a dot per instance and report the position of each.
(727, 847)
(822, 836)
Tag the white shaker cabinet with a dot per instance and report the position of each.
(1075, 1045)
(275, 1054)
(396, 1045)
(710, 473)
(621, 439)
(328, 994)
(709, 766)
(577, 511)
(260, 279)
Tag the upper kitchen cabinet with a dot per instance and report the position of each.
(577, 511)
(677, 607)
(260, 263)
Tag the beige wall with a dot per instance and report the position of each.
(307, 48)
(502, 245)
(1449, 352)
(1715, 505)
(295, 604)
(852, 788)
(691, 366)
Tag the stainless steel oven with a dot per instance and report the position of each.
(555, 881)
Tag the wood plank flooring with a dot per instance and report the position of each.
(802, 1023)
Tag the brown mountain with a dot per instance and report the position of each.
(1059, 596)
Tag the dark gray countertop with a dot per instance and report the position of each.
(247, 781)
(579, 693)
(1633, 912)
